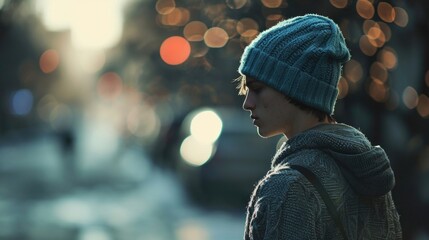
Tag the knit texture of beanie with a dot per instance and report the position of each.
(300, 57)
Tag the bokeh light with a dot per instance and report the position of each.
(376, 36)
(100, 32)
(378, 72)
(194, 152)
(177, 17)
(273, 19)
(247, 27)
(343, 88)
(49, 61)
(367, 25)
(109, 85)
(423, 106)
(353, 71)
(272, 3)
(230, 27)
(388, 57)
(199, 49)
(164, 7)
(206, 126)
(378, 91)
(215, 11)
(401, 17)
(21, 102)
(194, 31)
(366, 47)
(410, 97)
(386, 12)
(386, 30)
(236, 4)
(175, 50)
(365, 9)
(56, 14)
(339, 3)
(216, 37)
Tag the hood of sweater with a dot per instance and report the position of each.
(365, 167)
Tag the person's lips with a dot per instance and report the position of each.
(255, 118)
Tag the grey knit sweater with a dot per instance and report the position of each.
(356, 175)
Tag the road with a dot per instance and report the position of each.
(51, 188)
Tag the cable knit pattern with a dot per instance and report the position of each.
(356, 175)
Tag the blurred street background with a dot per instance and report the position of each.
(119, 119)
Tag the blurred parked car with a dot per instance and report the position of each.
(220, 156)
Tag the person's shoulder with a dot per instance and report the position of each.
(278, 183)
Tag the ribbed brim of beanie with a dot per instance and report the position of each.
(300, 57)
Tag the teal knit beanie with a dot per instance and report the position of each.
(300, 57)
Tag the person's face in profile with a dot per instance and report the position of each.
(270, 110)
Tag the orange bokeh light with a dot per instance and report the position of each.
(216, 37)
(366, 47)
(175, 50)
(343, 88)
(165, 6)
(49, 61)
(378, 91)
(423, 106)
(247, 27)
(339, 3)
(177, 17)
(378, 72)
(401, 17)
(272, 3)
(194, 31)
(365, 9)
(388, 57)
(230, 27)
(386, 12)
(353, 71)
(273, 19)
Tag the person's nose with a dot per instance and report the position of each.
(249, 102)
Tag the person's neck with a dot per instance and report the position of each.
(304, 122)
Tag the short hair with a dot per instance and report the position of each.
(320, 115)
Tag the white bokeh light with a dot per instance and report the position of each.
(195, 152)
(95, 24)
(206, 126)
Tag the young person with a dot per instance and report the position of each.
(326, 181)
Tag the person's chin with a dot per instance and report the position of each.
(264, 134)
